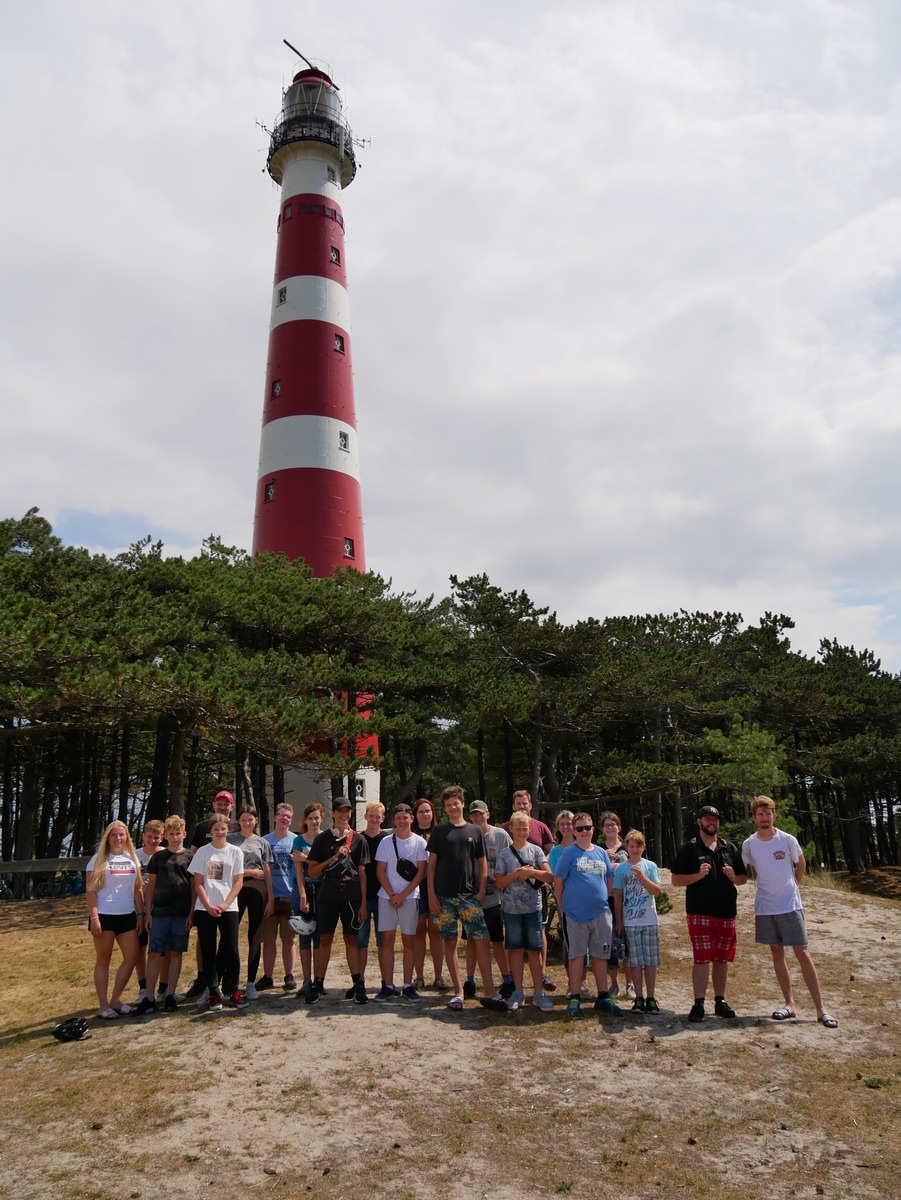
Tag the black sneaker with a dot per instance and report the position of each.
(145, 1006)
(197, 988)
(161, 989)
(410, 992)
(290, 984)
(360, 993)
(469, 989)
(387, 993)
(265, 984)
(507, 989)
(638, 1005)
(169, 1004)
(697, 1011)
(651, 1006)
(722, 1009)
(312, 994)
(351, 992)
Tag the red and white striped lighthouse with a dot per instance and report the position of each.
(308, 502)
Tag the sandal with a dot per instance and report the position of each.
(829, 1021)
(123, 1010)
(109, 1014)
(784, 1014)
(456, 1004)
(440, 986)
(419, 983)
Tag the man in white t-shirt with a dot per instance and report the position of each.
(778, 864)
(398, 898)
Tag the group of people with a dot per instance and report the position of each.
(430, 880)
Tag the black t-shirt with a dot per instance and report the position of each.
(172, 890)
(201, 835)
(340, 881)
(372, 880)
(714, 895)
(457, 849)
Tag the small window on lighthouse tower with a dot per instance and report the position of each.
(339, 343)
(348, 547)
(343, 440)
(336, 254)
(332, 175)
(269, 493)
(276, 388)
(282, 295)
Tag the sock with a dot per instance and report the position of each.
(142, 984)
(715, 998)
(470, 978)
(355, 979)
(603, 995)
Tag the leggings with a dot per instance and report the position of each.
(253, 902)
(227, 960)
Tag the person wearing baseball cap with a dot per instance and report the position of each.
(711, 869)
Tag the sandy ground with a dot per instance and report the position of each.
(340, 1099)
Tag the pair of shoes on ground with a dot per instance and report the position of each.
(721, 1008)
(233, 1000)
(649, 1006)
(387, 992)
(789, 1014)
(357, 992)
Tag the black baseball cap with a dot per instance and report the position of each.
(708, 811)
(341, 802)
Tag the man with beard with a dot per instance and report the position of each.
(710, 869)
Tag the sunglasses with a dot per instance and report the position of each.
(583, 828)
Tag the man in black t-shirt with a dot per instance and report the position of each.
(710, 869)
(457, 879)
(338, 857)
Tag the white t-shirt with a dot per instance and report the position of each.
(218, 869)
(117, 896)
(414, 848)
(774, 863)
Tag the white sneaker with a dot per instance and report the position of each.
(203, 999)
(584, 988)
(630, 992)
(516, 1001)
(545, 1003)
(142, 995)
(613, 991)
(250, 991)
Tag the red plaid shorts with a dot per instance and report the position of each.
(712, 938)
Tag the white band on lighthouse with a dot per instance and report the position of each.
(309, 441)
(305, 175)
(310, 298)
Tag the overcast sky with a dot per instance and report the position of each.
(624, 281)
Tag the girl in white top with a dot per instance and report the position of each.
(218, 871)
(115, 895)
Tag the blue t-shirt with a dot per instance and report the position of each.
(284, 879)
(586, 876)
(638, 903)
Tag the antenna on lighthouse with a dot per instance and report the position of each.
(298, 53)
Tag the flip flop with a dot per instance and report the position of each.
(109, 1014)
(123, 1010)
(456, 1004)
(829, 1021)
(784, 1014)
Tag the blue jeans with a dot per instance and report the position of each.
(372, 918)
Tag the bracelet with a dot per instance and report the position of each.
(141, 913)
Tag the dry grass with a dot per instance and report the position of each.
(342, 1101)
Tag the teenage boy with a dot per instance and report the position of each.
(372, 833)
(218, 871)
(495, 841)
(521, 870)
(711, 870)
(636, 884)
(339, 857)
(457, 878)
(284, 882)
(398, 898)
(168, 920)
(778, 864)
(151, 840)
(223, 803)
(582, 880)
(541, 836)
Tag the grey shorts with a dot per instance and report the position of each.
(589, 937)
(781, 929)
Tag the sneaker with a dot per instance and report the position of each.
(613, 991)
(630, 992)
(360, 993)
(250, 991)
(651, 1005)
(387, 992)
(516, 1000)
(638, 1005)
(169, 1003)
(545, 1003)
(290, 983)
(196, 990)
(583, 990)
(142, 995)
(574, 1007)
(548, 984)
(605, 1005)
(204, 998)
(722, 1009)
(469, 989)
(410, 992)
(215, 1002)
(265, 983)
(145, 1005)
(351, 992)
(697, 1011)
(313, 994)
(238, 1000)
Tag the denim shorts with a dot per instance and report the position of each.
(168, 933)
(522, 931)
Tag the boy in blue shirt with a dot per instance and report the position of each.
(636, 882)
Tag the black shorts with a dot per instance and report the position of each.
(117, 923)
(329, 913)
(495, 922)
(144, 938)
